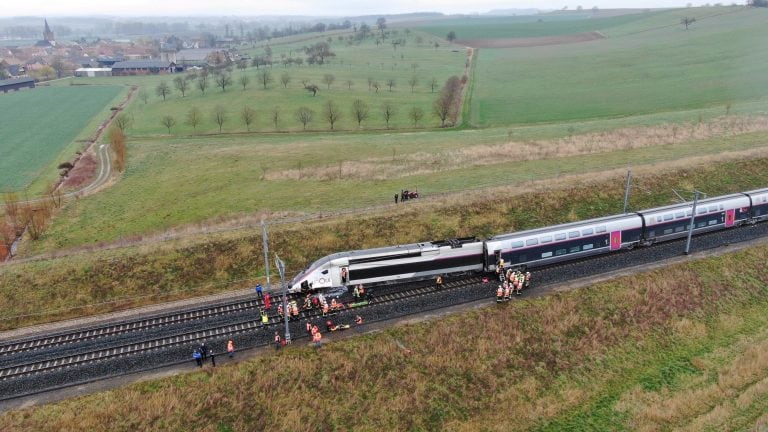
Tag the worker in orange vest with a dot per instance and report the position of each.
(499, 294)
(230, 348)
(316, 338)
(278, 341)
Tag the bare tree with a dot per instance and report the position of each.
(388, 111)
(244, 80)
(194, 117)
(414, 66)
(265, 77)
(413, 81)
(331, 112)
(451, 36)
(376, 86)
(285, 79)
(686, 21)
(304, 116)
(181, 84)
(202, 82)
(416, 114)
(275, 114)
(248, 116)
(144, 96)
(390, 83)
(223, 80)
(311, 87)
(163, 89)
(168, 121)
(219, 116)
(328, 79)
(433, 84)
(360, 111)
(370, 83)
(122, 122)
(349, 84)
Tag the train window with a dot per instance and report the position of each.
(765, 199)
(679, 215)
(573, 234)
(517, 244)
(588, 246)
(546, 239)
(722, 207)
(701, 210)
(668, 216)
(658, 218)
(668, 231)
(713, 208)
(652, 233)
(688, 213)
(325, 271)
(546, 254)
(679, 228)
(713, 222)
(701, 224)
(560, 236)
(586, 232)
(560, 252)
(531, 242)
(573, 249)
(600, 229)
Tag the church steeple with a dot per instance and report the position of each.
(47, 33)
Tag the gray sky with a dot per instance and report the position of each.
(53, 8)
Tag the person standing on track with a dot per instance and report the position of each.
(259, 290)
(439, 282)
(266, 301)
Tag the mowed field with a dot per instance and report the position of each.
(647, 64)
(351, 69)
(37, 125)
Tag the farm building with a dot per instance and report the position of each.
(16, 84)
(142, 67)
(201, 57)
(93, 72)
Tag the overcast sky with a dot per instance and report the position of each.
(51, 8)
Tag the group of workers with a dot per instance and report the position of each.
(203, 353)
(512, 282)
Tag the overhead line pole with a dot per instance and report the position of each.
(693, 220)
(626, 189)
(265, 241)
(281, 269)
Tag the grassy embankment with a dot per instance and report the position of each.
(100, 281)
(45, 127)
(680, 347)
(354, 62)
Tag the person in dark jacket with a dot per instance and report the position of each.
(213, 358)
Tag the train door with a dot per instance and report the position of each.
(615, 240)
(730, 217)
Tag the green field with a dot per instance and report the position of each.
(717, 62)
(38, 125)
(356, 63)
(467, 28)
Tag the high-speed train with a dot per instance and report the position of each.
(532, 248)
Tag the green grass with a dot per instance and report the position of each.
(718, 61)
(467, 28)
(39, 127)
(355, 62)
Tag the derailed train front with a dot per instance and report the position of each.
(403, 262)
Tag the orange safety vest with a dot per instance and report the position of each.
(230, 346)
(316, 337)
(277, 338)
(499, 292)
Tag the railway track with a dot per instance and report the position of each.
(184, 338)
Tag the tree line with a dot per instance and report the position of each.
(446, 108)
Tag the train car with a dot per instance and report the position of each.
(381, 265)
(564, 242)
(759, 200)
(671, 222)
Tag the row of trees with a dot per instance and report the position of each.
(222, 80)
(27, 216)
(446, 107)
(331, 113)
